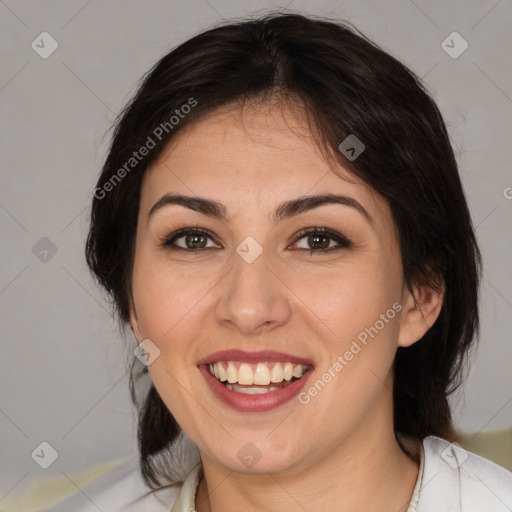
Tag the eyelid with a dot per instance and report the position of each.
(342, 240)
(167, 241)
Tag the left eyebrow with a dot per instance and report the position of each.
(303, 204)
(285, 210)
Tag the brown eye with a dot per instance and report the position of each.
(319, 240)
(193, 239)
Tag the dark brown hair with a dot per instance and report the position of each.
(346, 85)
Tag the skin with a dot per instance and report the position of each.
(338, 452)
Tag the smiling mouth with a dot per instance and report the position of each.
(256, 378)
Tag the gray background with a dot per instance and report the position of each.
(63, 374)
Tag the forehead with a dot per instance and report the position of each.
(260, 154)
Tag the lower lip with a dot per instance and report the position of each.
(253, 403)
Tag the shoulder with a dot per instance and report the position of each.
(119, 489)
(462, 480)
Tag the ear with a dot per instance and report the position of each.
(420, 310)
(134, 323)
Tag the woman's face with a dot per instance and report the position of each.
(252, 286)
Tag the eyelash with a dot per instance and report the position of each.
(167, 241)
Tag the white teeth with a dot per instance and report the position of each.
(297, 371)
(276, 375)
(245, 374)
(288, 371)
(232, 373)
(222, 373)
(260, 374)
(251, 391)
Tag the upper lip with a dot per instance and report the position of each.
(253, 357)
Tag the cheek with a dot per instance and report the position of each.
(355, 318)
(349, 298)
(360, 311)
(169, 308)
(168, 299)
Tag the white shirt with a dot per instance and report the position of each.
(450, 479)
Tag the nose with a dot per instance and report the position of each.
(253, 299)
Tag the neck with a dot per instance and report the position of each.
(369, 471)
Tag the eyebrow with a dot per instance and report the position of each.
(285, 210)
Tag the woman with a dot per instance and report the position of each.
(281, 222)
